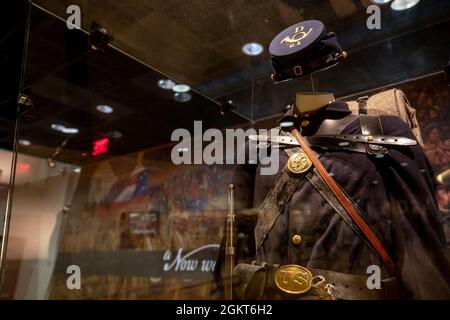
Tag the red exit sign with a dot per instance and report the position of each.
(100, 146)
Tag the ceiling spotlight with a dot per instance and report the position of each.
(58, 127)
(114, 134)
(166, 84)
(252, 49)
(380, 2)
(286, 124)
(399, 5)
(70, 130)
(99, 37)
(25, 142)
(182, 97)
(103, 108)
(227, 107)
(51, 163)
(61, 128)
(181, 88)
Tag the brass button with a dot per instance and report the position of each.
(299, 163)
(305, 123)
(296, 239)
(370, 138)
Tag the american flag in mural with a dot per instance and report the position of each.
(127, 194)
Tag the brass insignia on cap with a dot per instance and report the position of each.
(293, 279)
(296, 39)
(299, 163)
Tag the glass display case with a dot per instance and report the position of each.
(109, 203)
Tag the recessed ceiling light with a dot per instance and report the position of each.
(114, 134)
(57, 127)
(399, 5)
(77, 170)
(286, 124)
(252, 49)
(61, 128)
(103, 108)
(181, 88)
(166, 84)
(70, 131)
(182, 97)
(51, 163)
(24, 142)
(380, 1)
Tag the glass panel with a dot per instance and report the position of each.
(96, 188)
(109, 203)
(206, 39)
(12, 46)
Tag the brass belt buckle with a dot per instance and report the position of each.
(293, 279)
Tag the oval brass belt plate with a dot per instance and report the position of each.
(293, 279)
(299, 163)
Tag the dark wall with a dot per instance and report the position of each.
(12, 32)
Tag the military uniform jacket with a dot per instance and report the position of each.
(395, 191)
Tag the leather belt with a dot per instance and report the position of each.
(345, 286)
(351, 142)
(300, 70)
(368, 139)
(359, 138)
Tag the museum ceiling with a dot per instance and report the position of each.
(197, 43)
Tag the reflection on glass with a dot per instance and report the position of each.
(100, 211)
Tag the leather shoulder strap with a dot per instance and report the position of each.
(362, 104)
(286, 185)
(347, 204)
(335, 126)
(371, 125)
(319, 184)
